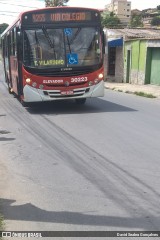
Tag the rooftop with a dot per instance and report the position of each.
(134, 33)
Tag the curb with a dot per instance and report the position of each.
(150, 91)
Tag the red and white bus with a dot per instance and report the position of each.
(55, 53)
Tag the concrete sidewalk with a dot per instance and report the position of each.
(131, 88)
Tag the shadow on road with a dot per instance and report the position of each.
(29, 212)
(6, 139)
(96, 105)
(4, 132)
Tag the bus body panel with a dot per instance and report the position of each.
(36, 95)
(54, 88)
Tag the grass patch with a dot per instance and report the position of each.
(129, 92)
(142, 94)
(1, 224)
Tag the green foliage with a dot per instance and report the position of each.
(109, 20)
(55, 3)
(142, 94)
(155, 21)
(1, 224)
(136, 21)
(3, 26)
(158, 7)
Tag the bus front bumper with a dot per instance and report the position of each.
(37, 95)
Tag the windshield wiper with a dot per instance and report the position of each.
(75, 35)
(72, 39)
(38, 46)
(51, 44)
(69, 45)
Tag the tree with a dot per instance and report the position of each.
(55, 3)
(109, 20)
(136, 21)
(158, 7)
(155, 21)
(3, 26)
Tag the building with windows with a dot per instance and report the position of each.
(121, 9)
(133, 55)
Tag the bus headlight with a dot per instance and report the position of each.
(100, 76)
(28, 80)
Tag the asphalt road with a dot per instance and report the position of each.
(91, 167)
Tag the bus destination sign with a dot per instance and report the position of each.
(48, 17)
(60, 17)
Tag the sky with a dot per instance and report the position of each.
(9, 9)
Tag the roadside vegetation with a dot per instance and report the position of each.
(142, 94)
(110, 20)
(1, 224)
(3, 26)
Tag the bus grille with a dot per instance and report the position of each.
(57, 93)
(62, 74)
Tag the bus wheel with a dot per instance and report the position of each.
(24, 104)
(81, 100)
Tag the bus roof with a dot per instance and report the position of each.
(43, 9)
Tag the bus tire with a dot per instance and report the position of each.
(24, 104)
(80, 101)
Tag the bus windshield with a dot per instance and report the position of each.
(67, 47)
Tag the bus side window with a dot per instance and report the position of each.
(9, 43)
(19, 48)
(5, 46)
(13, 41)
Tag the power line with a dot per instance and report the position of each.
(9, 12)
(16, 5)
(8, 5)
(7, 15)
